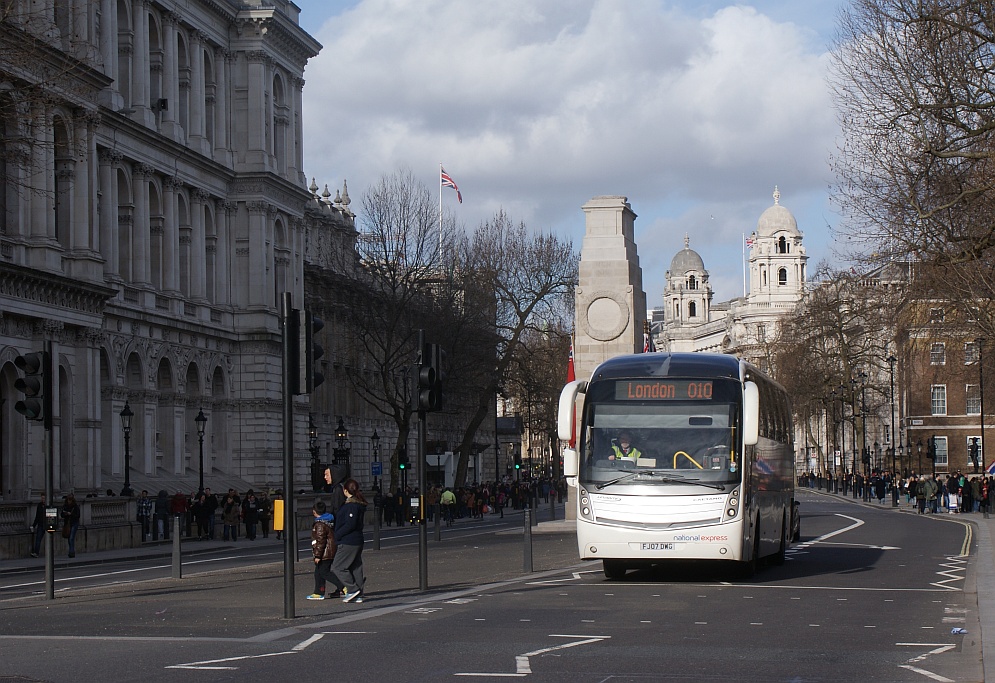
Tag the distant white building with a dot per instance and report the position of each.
(690, 321)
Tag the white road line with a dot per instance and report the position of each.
(522, 664)
(213, 664)
(927, 674)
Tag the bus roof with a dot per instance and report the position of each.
(669, 365)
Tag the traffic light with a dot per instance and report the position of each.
(518, 461)
(931, 450)
(313, 350)
(430, 378)
(302, 326)
(402, 459)
(36, 385)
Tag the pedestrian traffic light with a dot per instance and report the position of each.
(430, 378)
(36, 385)
(302, 364)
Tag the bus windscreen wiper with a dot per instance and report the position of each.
(670, 478)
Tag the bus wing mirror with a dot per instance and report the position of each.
(751, 414)
(566, 415)
(569, 462)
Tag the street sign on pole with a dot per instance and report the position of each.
(376, 469)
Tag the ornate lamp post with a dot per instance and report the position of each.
(317, 480)
(201, 421)
(375, 442)
(126, 415)
(341, 455)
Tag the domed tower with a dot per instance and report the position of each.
(777, 259)
(688, 294)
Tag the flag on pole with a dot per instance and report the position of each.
(447, 181)
(571, 374)
(991, 468)
(648, 345)
(750, 240)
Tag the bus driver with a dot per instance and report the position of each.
(624, 448)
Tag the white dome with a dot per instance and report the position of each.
(776, 219)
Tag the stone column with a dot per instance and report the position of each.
(108, 194)
(140, 87)
(108, 51)
(197, 99)
(221, 152)
(170, 77)
(170, 236)
(80, 223)
(260, 293)
(140, 234)
(198, 247)
(42, 210)
(295, 170)
(223, 245)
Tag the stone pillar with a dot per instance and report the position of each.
(170, 236)
(221, 60)
(140, 87)
(109, 52)
(197, 95)
(79, 239)
(295, 145)
(108, 193)
(170, 77)
(198, 247)
(610, 302)
(260, 293)
(141, 223)
(222, 255)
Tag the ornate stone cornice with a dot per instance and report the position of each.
(49, 290)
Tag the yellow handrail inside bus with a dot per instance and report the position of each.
(693, 461)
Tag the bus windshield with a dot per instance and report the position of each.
(659, 443)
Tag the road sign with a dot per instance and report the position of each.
(376, 469)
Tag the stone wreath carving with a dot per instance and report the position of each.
(605, 315)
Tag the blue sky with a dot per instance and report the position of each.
(693, 109)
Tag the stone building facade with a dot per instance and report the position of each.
(690, 320)
(154, 208)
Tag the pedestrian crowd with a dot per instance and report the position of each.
(472, 501)
(929, 493)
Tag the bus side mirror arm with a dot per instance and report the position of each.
(751, 414)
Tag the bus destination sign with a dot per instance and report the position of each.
(663, 390)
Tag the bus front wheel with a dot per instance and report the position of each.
(614, 569)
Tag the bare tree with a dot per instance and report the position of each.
(836, 338)
(525, 277)
(916, 182)
(403, 284)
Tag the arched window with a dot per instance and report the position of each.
(64, 173)
(281, 124)
(782, 245)
(782, 276)
(692, 310)
(692, 282)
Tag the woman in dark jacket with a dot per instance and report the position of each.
(70, 520)
(348, 563)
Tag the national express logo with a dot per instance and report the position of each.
(698, 538)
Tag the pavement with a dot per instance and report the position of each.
(249, 602)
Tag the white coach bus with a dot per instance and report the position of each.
(707, 472)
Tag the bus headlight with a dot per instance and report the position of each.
(585, 504)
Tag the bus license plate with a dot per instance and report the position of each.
(656, 546)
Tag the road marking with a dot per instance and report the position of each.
(955, 568)
(522, 665)
(927, 674)
(221, 664)
(938, 648)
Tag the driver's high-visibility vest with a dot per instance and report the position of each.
(633, 452)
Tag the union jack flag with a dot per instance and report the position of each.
(447, 181)
(991, 468)
(648, 345)
(749, 241)
(571, 374)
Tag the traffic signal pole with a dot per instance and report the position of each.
(49, 474)
(290, 325)
(422, 475)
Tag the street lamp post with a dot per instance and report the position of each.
(317, 480)
(375, 440)
(201, 421)
(919, 455)
(341, 455)
(980, 341)
(891, 361)
(126, 415)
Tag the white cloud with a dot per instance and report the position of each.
(538, 105)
